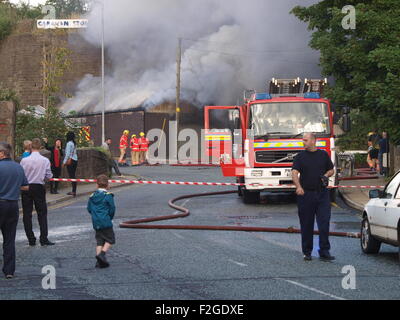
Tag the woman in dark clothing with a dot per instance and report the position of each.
(56, 162)
(71, 160)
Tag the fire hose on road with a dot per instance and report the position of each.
(142, 223)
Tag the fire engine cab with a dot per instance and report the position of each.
(262, 136)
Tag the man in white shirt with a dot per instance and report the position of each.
(37, 171)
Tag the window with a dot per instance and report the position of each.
(392, 186)
(290, 118)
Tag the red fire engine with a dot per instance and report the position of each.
(265, 134)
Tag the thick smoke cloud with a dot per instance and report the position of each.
(227, 46)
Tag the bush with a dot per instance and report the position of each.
(49, 125)
(360, 160)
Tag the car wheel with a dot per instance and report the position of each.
(368, 243)
(398, 242)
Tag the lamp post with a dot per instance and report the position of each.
(103, 95)
(103, 91)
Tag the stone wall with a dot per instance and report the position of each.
(7, 122)
(22, 53)
(91, 163)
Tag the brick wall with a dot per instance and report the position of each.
(21, 56)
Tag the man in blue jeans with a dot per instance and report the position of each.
(12, 179)
(314, 167)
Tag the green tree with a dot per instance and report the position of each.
(6, 19)
(26, 11)
(365, 61)
(10, 14)
(10, 95)
(67, 8)
(56, 62)
(51, 125)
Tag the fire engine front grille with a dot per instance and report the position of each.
(272, 156)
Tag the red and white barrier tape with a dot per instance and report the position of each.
(200, 183)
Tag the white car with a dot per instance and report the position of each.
(381, 218)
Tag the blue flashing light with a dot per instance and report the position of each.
(312, 95)
(263, 96)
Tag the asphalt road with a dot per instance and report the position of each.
(197, 265)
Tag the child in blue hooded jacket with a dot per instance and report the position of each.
(102, 209)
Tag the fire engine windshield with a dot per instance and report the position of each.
(289, 118)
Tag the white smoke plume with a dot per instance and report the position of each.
(227, 46)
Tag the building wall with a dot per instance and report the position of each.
(22, 53)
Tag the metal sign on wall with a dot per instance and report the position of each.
(62, 23)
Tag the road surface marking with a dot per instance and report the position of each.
(312, 289)
(60, 232)
(181, 205)
(238, 263)
(178, 235)
(279, 243)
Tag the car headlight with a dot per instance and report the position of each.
(256, 173)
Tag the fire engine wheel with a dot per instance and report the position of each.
(240, 188)
(250, 197)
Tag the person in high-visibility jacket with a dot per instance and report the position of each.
(135, 150)
(144, 147)
(123, 145)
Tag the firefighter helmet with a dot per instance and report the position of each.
(142, 134)
(133, 136)
(126, 131)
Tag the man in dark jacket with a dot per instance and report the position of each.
(102, 209)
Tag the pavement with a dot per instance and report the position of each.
(357, 198)
(83, 189)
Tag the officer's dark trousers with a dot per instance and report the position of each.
(35, 196)
(314, 205)
(8, 226)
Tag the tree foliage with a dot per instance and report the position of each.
(56, 62)
(11, 13)
(10, 95)
(67, 8)
(51, 125)
(365, 62)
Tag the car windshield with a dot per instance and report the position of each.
(289, 118)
